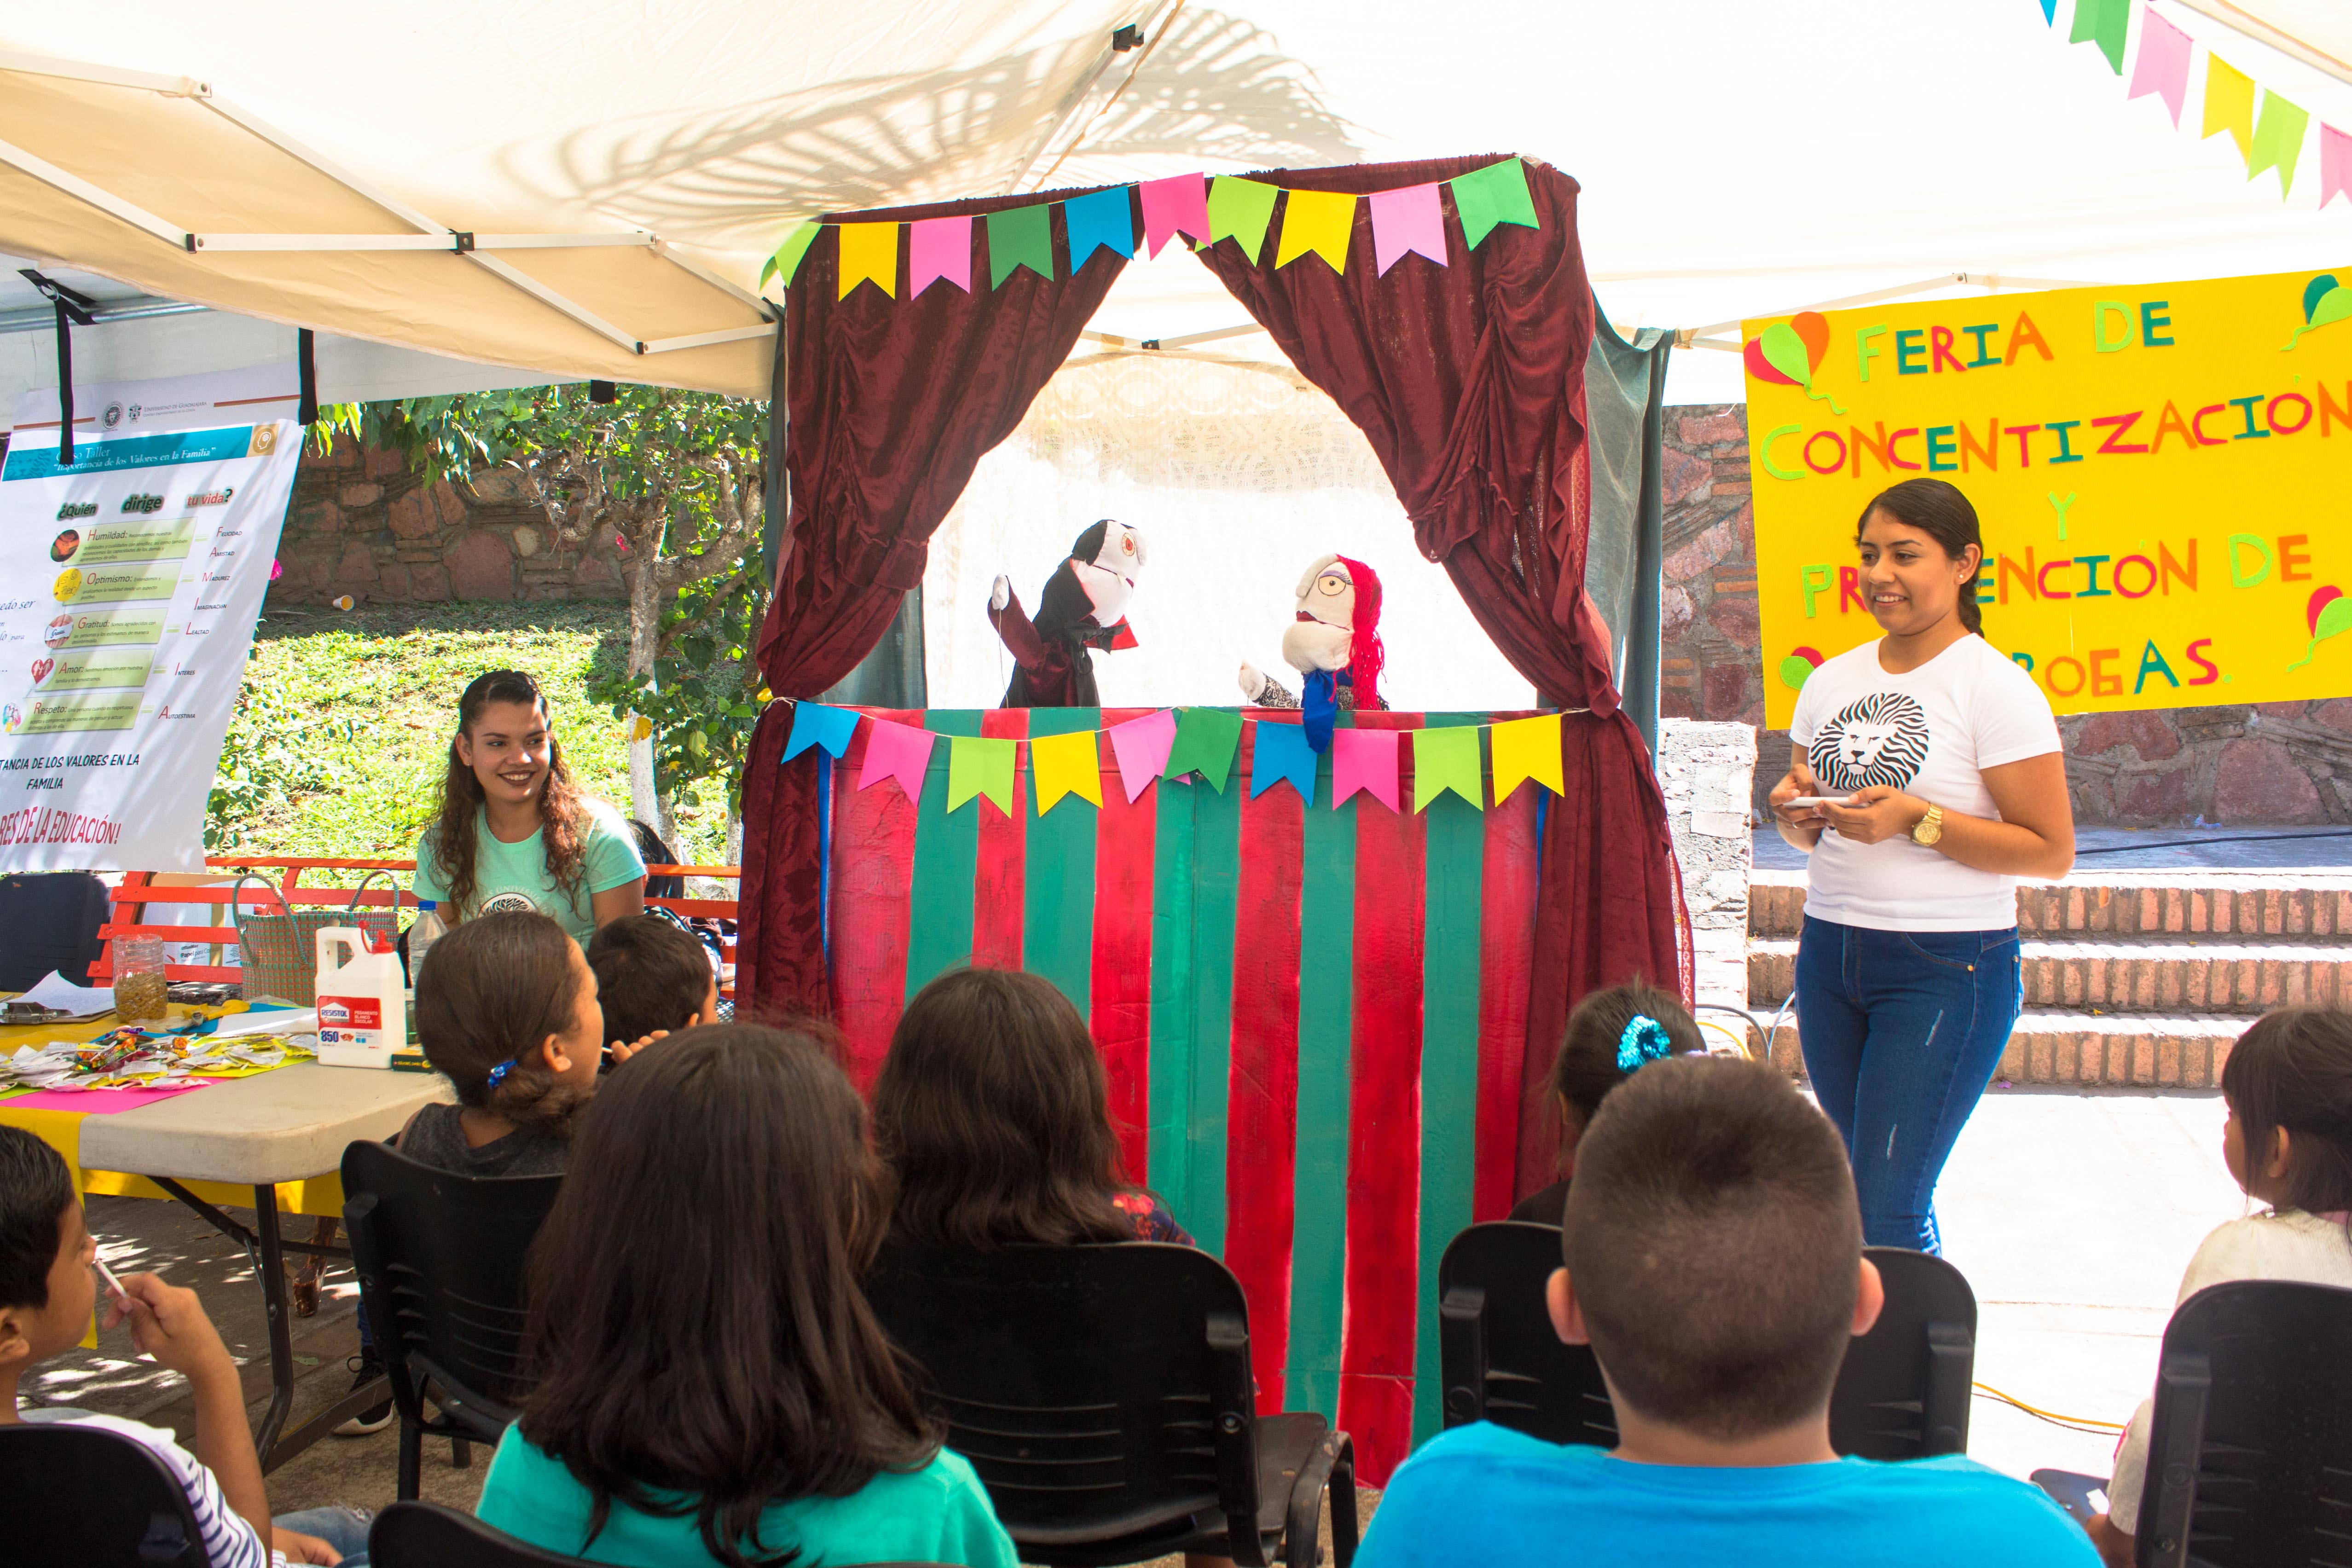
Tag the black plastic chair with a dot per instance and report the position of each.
(72, 1493)
(1104, 1395)
(440, 1261)
(1901, 1393)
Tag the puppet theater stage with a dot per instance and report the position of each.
(1325, 1013)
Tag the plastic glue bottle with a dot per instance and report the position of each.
(362, 1018)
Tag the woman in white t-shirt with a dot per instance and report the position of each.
(1946, 782)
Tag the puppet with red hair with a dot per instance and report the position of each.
(1335, 643)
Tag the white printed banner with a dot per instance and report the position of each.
(130, 583)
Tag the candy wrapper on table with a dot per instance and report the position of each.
(184, 1057)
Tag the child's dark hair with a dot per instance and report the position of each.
(1714, 1240)
(35, 1189)
(650, 975)
(2294, 1070)
(1588, 1064)
(993, 1114)
(1939, 510)
(487, 995)
(697, 1324)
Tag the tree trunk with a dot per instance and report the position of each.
(645, 623)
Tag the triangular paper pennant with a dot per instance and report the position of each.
(2229, 103)
(1280, 755)
(868, 251)
(1364, 759)
(1494, 194)
(1174, 206)
(1447, 758)
(1317, 221)
(814, 724)
(1204, 744)
(2335, 164)
(900, 751)
(2104, 22)
(1103, 219)
(1241, 210)
(1065, 765)
(939, 248)
(980, 766)
(1406, 221)
(2278, 140)
(2049, 13)
(786, 262)
(1019, 237)
(1140, 748)
(2162, 67)
(1527, 749)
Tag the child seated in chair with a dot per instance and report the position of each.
(1713, 1251)
(993, 1112)
(46, 1294)
(710, 1384)
(652, 978)
(1611, 1034)
(2288, 1142)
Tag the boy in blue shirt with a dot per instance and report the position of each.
(1713, 1247)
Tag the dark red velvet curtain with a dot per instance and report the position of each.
(1468, 380)
(890, 403)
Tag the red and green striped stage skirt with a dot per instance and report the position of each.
(1313, 1020)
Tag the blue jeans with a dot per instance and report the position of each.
(1902, 1030)
(344, 1529)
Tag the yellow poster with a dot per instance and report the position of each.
(2163, 473)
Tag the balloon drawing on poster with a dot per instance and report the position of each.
(2328, 614)
(1787, 352)
(2324, 300)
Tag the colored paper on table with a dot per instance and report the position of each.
(1447, 758)
(1364, 759)
(900, 751)
(2335, 164)
(2229, 103)
(1140, 748)
(814, 723)
(1282, 755)
(786, 261)
(2162, 68)
(1241, 210)
(939, 248)
(1319, 221)
(2106, 24)
(1019, 237)
(1099, 220)
(1527, 749)
(1404, 221)
(980, 766)
(2278, 140)
(1493, 195)
(1206, 741)
(1065, 765)
(868, 251)
(106, 1101)
(1172, 206)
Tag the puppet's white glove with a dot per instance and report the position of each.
(1253, 681)
(1000, 592)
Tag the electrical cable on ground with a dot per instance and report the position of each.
(2088, 1425)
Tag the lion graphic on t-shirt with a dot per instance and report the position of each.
(1879, 739)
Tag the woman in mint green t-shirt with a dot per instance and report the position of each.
(514, 831)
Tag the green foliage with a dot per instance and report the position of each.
(705, 695)
(277, 751)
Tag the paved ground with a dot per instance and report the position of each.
(2098, 850)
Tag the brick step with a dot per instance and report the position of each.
(2116, 1050)
(2227, 975)
(2315, 904)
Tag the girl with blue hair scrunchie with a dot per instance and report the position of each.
(1611, 1035)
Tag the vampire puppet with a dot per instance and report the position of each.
(1084, 606)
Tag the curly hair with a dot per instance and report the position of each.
(562, 809)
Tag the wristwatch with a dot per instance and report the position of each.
(1929, 828)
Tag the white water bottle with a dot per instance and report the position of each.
(427, 930)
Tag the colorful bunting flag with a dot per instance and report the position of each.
(1320, 222)
(2104, 22)
(939, 248)
(787, 259)
(1447, 758)
(2162, 68)
(2335, 164)
(1019, 237)
(1527, 749)
(900, 751)
(1282, 755)
(1206, 740)
(1065, 765)
(814, 724)
(868, 251)
(2278, 140)
(1102, 219)
(977, 766)
(1241, 210)
(1404, 221)
(1364, 759)
(1173, 206)
(1140, 748)
(2229, 103)
(1494, 194)
(2049, 13)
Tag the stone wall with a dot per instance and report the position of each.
(363, 523)
(1704, 772)
(2276, 764)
